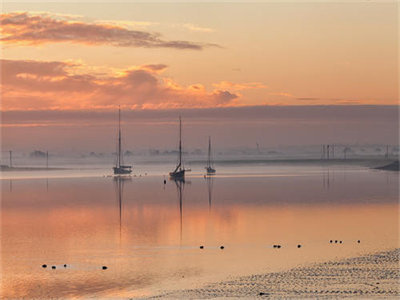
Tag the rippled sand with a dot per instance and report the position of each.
(376, 275)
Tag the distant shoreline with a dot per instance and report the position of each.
(374, 275)
(374, 163)
(9, 169)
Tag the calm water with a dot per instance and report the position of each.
(148, 234)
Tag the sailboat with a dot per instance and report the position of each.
(209, 168)
(179, 172)
(120, 168)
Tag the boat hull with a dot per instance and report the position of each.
(177, 174)
(119, 171)
(210, 170)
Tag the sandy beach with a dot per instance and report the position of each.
(371, 276)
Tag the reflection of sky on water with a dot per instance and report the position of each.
(148, 234)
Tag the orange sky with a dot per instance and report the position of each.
(156, 56)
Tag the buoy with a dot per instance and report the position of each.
(222, 247)
(53, 267)
(298, 246)
(104, 268)
(201, 247)
(44, 266)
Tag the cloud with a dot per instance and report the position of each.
(64, 85)
(283, 94)
(308, 99)
(239, 86)
(193, 27)
(27, 29)
(157, 68)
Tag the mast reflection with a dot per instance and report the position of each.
(210, 184)
(119, 182)
(180, 183)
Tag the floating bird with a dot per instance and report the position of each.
(201, 247)
(330, 241)
(298, 246)
(65, 265)
(44, 266)
(358, 241)
(222, 247)
(104, 268)
(53, 267)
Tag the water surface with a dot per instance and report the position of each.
(148, 234)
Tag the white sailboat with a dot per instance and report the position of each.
(209, 167)
(120, 168)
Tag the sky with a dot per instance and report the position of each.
(197, 58)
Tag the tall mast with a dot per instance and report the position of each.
(180, 141)
(209, 152)
(10, 159)
(119, 138)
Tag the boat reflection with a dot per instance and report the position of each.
(119, 182)
(210, 183)
(180, 184)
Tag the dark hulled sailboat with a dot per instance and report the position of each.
(120, 168)
(209, 167)
(179, 172)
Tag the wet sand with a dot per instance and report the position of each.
(371, 276)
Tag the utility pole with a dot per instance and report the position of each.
(333, 151)
(47, 159)
(327, 151)
(387, 152)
